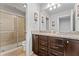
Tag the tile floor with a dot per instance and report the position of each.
(14, 52)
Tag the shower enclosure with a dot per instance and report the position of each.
(12, 31)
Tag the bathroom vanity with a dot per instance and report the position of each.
(55, 44)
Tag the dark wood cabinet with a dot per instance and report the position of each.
(55, 46)
(43, 45)
(72, 47)
(35, 43)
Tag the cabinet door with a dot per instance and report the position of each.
(72, 47)
(35, 44)
(43, 45)
(56, 46)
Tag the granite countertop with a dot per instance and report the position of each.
(71, 35)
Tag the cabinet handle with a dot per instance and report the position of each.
(43, 43)
(36, 36)
(56, 47)
(67, 41)
(43, 48)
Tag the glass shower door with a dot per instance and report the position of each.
(8, 36)
(20, 30)
(12, 33)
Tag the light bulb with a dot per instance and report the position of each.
(24, 5)
(54, 7)
(58, 5)
(53, 4)
(50, 8)
(48, 5)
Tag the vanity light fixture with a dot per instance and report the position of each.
(58, 5)
(50, 8)
(24, 5)
(54, 7)
(53, 4)
(48, 5)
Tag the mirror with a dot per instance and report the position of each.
(62, 19)
(65, 24)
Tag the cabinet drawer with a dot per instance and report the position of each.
(42, 53)
(42, 48)
(56, 40)
(52, 54)
(61, 49)
(42, 38)
(55, 52)
(42, 43)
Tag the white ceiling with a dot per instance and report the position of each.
(18, 6)
(64, 6)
